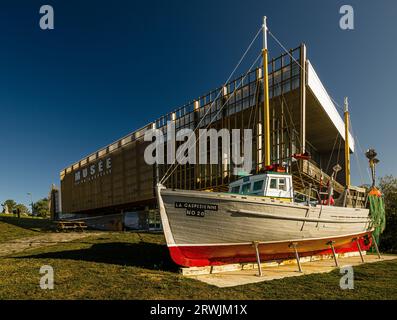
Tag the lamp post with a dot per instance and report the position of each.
(31, 200)
(373, 161)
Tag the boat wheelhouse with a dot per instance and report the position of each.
(275, 185)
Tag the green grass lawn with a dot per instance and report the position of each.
(12, 227)
(137, 266)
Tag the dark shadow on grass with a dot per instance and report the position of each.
(38, 225)
(143, 254)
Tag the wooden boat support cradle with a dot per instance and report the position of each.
(331, 244)
(359, 249)
(294, 246)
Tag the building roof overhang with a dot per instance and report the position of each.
(324, 122)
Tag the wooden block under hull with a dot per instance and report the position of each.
(195, 271)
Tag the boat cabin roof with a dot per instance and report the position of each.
(261, 176)
(270, 184)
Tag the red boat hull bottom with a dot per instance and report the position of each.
(212, 255)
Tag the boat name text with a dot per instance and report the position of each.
(195, 209)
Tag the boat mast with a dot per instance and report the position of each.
(266, 109)
(347, 148)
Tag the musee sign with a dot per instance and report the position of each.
(93, 171)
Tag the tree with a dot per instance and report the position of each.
(388, 185)
(22, 208)
(388, 240)
(42, 207)
(11, 204)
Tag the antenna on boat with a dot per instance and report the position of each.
(266, 109)
(347, 147)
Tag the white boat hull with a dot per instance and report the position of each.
(207, 228)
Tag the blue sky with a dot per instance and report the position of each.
(110, 67)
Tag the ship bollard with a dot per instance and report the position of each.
(376, 246)
(331, 244)
(359, 248)
(294, 245)
(258, 258)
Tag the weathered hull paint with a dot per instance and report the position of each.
(201, 256)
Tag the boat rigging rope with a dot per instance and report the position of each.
(337, 158)
(290, 136)
(358, 160)
(294, 128)
(332, 152)
(333, 100)
(167, 174)
(216, 115)
(254, 109)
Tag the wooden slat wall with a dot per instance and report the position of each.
(130, 180)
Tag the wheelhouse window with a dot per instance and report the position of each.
(258, 185)
(236, 189)
(246, 188)
(273, 183)
(282, 185)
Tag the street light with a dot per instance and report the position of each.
(373, 161)
(31, 200)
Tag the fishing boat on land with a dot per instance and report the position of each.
(263, 217)
(210, 228)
